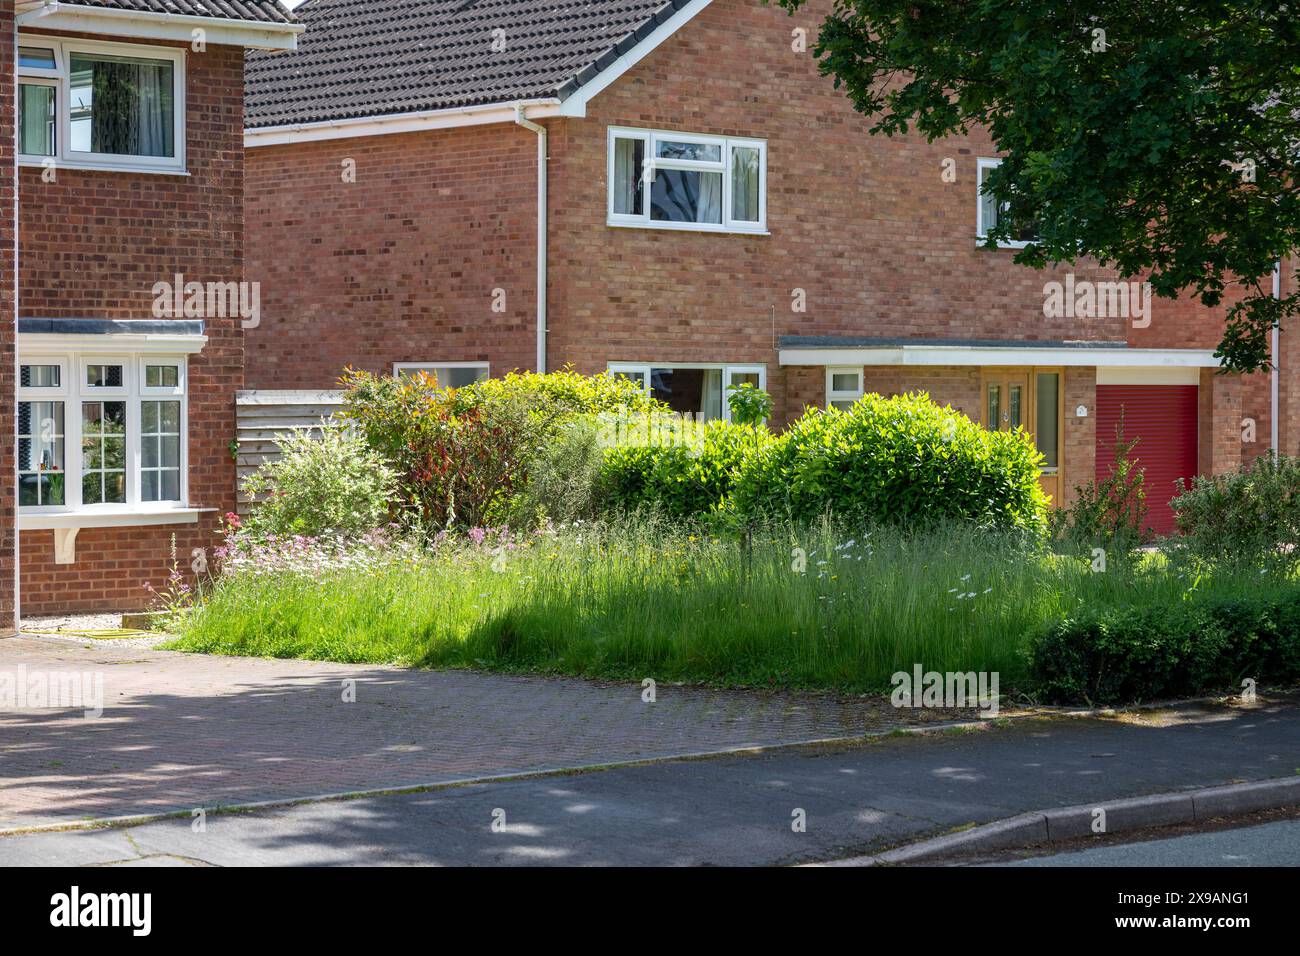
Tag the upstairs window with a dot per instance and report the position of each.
(101, 105)
(687, 181)
(990, 211)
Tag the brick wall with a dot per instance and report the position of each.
(8, 331)
(399, 265)
(92, 244)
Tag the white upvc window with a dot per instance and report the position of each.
(94, 105)
(691, 388)
(670, 180)
(100, 433)
(843, 386)
(446, 374)
(989, 210)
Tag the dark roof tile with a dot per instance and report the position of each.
(362, 58)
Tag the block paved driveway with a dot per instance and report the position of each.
(183, 731)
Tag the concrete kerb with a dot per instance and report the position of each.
(1062, 824)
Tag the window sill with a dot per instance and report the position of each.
(979, 244)
(110, 518)
(688, 227)
(36, 163)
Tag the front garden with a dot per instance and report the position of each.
(567, 524)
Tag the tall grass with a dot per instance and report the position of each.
(648, 599)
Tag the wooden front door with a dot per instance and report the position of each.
(1010, 398)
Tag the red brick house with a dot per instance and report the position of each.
(670, 191)
(122, 131)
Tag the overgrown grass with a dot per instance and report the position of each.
(647, 599)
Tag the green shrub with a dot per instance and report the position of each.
(464, 456)
(1161, 651)
(564, 476)
(1110, 514)
(901, 459)
(1248, 518)
(458, 463)
(563, 392)
(687, 475)
(334, 483)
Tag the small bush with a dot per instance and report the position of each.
(901, 459)
(1110, 514)
(336, 483)
(1248, 518)
(687, 477)
(564, 476)
(1161, 651)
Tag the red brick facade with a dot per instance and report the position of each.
(401, 264)
(8, 319)
(92, 244)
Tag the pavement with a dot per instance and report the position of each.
(1268, 844)
(187, 731)
(784, 806)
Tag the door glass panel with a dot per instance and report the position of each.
(1015, 405)
(1049, 413)
(994, 406)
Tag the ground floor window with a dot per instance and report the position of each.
(446, 374)
(99, 431)
(843, 386)
(692, 389)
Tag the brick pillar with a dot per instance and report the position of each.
(1220, 443)
(8, 327)
(1080, 463)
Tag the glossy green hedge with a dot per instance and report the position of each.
(901, 459)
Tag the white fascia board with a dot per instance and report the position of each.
(1011, 356)
(399, 123)
(219, 31)
(39, 343)
(576, 103)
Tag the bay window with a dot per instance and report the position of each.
(99, 433)
(686, 181)
(101, 105)
(691, 389)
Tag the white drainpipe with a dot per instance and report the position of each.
(1273, 384)
(522, 120)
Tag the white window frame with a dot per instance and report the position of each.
(74, 391)
(64, 156)
(844, 395)
(650, 137)
(643, 369)
(400, 367)
(981, 227)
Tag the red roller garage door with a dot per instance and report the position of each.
(1163, 417)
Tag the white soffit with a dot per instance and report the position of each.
(1011, 355)
(1149, 376)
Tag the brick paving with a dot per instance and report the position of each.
(181, 731)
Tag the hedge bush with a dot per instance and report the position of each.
(1250, 517)
(1146, 653)
(331, 483)
(688, 476)
(901, 459)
